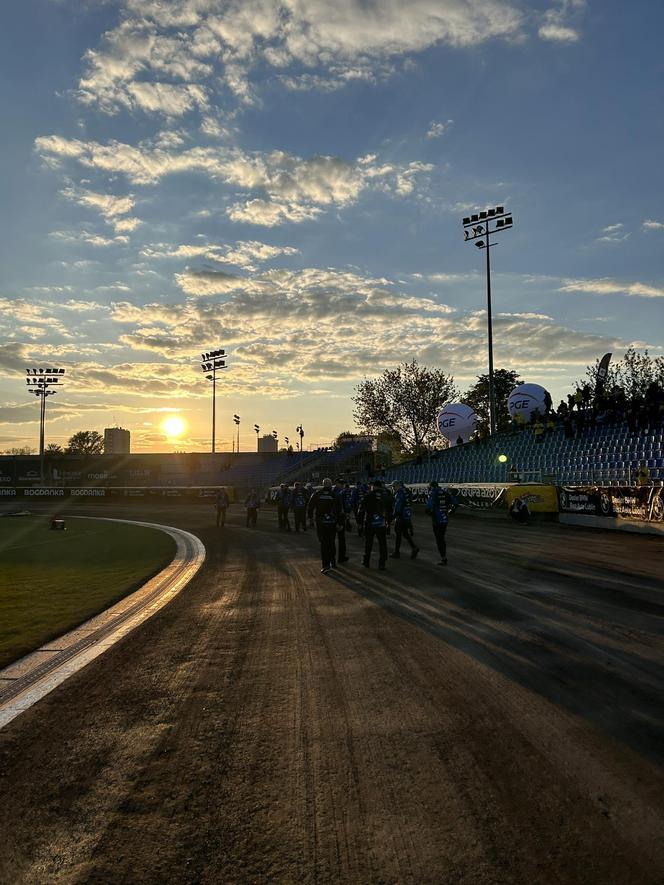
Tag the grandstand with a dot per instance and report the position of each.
(601, 455)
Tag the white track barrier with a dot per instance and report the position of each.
(28, 680)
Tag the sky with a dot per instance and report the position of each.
(286, 179)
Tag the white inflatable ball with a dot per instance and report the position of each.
(526, 399)
(457, 420)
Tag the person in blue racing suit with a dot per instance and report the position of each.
(439, 506)
(325, 508)
(377, 510)
(403, 520)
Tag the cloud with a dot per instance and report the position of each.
(613, 233)
(279, 325)
(292, 188)
(84, 236)
(244, 253)
(207, 282)
(607, 286)
(436, 130)
(652, 225)
(556, 25)
(167, 58)
(112, 208)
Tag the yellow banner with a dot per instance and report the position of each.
(540, 499)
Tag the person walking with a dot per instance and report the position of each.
(283, 506)
(221, 504)
(377, 509)
(359, 493)
(338, 490)
(252, 502)
(403, 520)
(299, 504)
(325, 508)
(439, 506)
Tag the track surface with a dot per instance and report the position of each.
(497, 721)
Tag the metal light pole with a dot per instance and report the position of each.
(476, 227)
(258, 430)
(213, 363)
(39, 381)
(236, 419)
(300, 431)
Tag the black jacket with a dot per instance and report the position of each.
(377, 507)
(325, 507)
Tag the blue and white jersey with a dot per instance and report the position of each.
(402, 506)
(438, 506)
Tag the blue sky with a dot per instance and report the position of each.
(287, 178)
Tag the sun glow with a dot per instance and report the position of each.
(174, 426)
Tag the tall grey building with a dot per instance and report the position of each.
(116, 441)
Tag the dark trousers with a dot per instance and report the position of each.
(282, 515)
(341, 542)
(403, 530)
(359, 518)
(380, 533)
(221, 516)
(439, 535)
(326, 536)
(300, 515)
(252, 516)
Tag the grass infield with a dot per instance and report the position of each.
(51, 581)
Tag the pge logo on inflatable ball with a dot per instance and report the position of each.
(457, 420)
(526, 399)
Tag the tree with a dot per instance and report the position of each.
(404, 402)
(86, 442)
(19, 450)
(477, 397)
(54, 449)
(635, 372)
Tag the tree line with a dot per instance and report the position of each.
(84, 442)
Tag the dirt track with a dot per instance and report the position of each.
(498, 721)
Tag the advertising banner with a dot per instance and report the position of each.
(540, 499)
(622, 502)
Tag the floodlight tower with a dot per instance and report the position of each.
(39, 381)
(478, 227)
(258, 430)
(236, 419)
(213, 362)
(300, 431)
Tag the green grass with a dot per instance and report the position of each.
(52, 581)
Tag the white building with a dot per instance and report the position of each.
(268, 443)
(116, 441)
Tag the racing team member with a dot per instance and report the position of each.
(338, 490)
(221, 504)
(252, 502)
(283, 503)
(347, 503)
(325, 508)
(403, 520)
(376, 508)
(359, 492)
(439, 506)
(299, 504)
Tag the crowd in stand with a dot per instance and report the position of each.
(583, 409)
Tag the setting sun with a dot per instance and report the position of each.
(174, 426)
